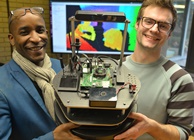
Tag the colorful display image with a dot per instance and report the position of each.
(103, 36)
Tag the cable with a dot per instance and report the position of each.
(103, 56)
(123, 86)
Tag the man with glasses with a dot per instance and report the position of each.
(166, 98)
(26, 92)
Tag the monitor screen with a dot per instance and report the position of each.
(95, 37)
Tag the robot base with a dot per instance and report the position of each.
(94, 132)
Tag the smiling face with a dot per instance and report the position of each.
(29, 37)
(152, 39)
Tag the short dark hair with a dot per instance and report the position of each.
(168, 4)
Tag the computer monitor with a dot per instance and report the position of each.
(95, 37)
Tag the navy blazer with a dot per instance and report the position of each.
(23, 115)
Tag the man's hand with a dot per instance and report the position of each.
(144, 125)
(141, 126)
(62, 132)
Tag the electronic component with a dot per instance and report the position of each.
(100, 16)
(69, 81)
(102, 97)
(99, 77)
(100, 72)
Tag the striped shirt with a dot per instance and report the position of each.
(166, 94)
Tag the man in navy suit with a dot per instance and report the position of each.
(26, 93)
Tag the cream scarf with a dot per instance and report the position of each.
(43, 76)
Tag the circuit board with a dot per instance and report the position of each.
(99, 77)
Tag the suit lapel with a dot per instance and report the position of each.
(21, 77)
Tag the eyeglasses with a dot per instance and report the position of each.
(22, 11)
(162, 26)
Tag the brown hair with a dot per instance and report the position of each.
(161, 3)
